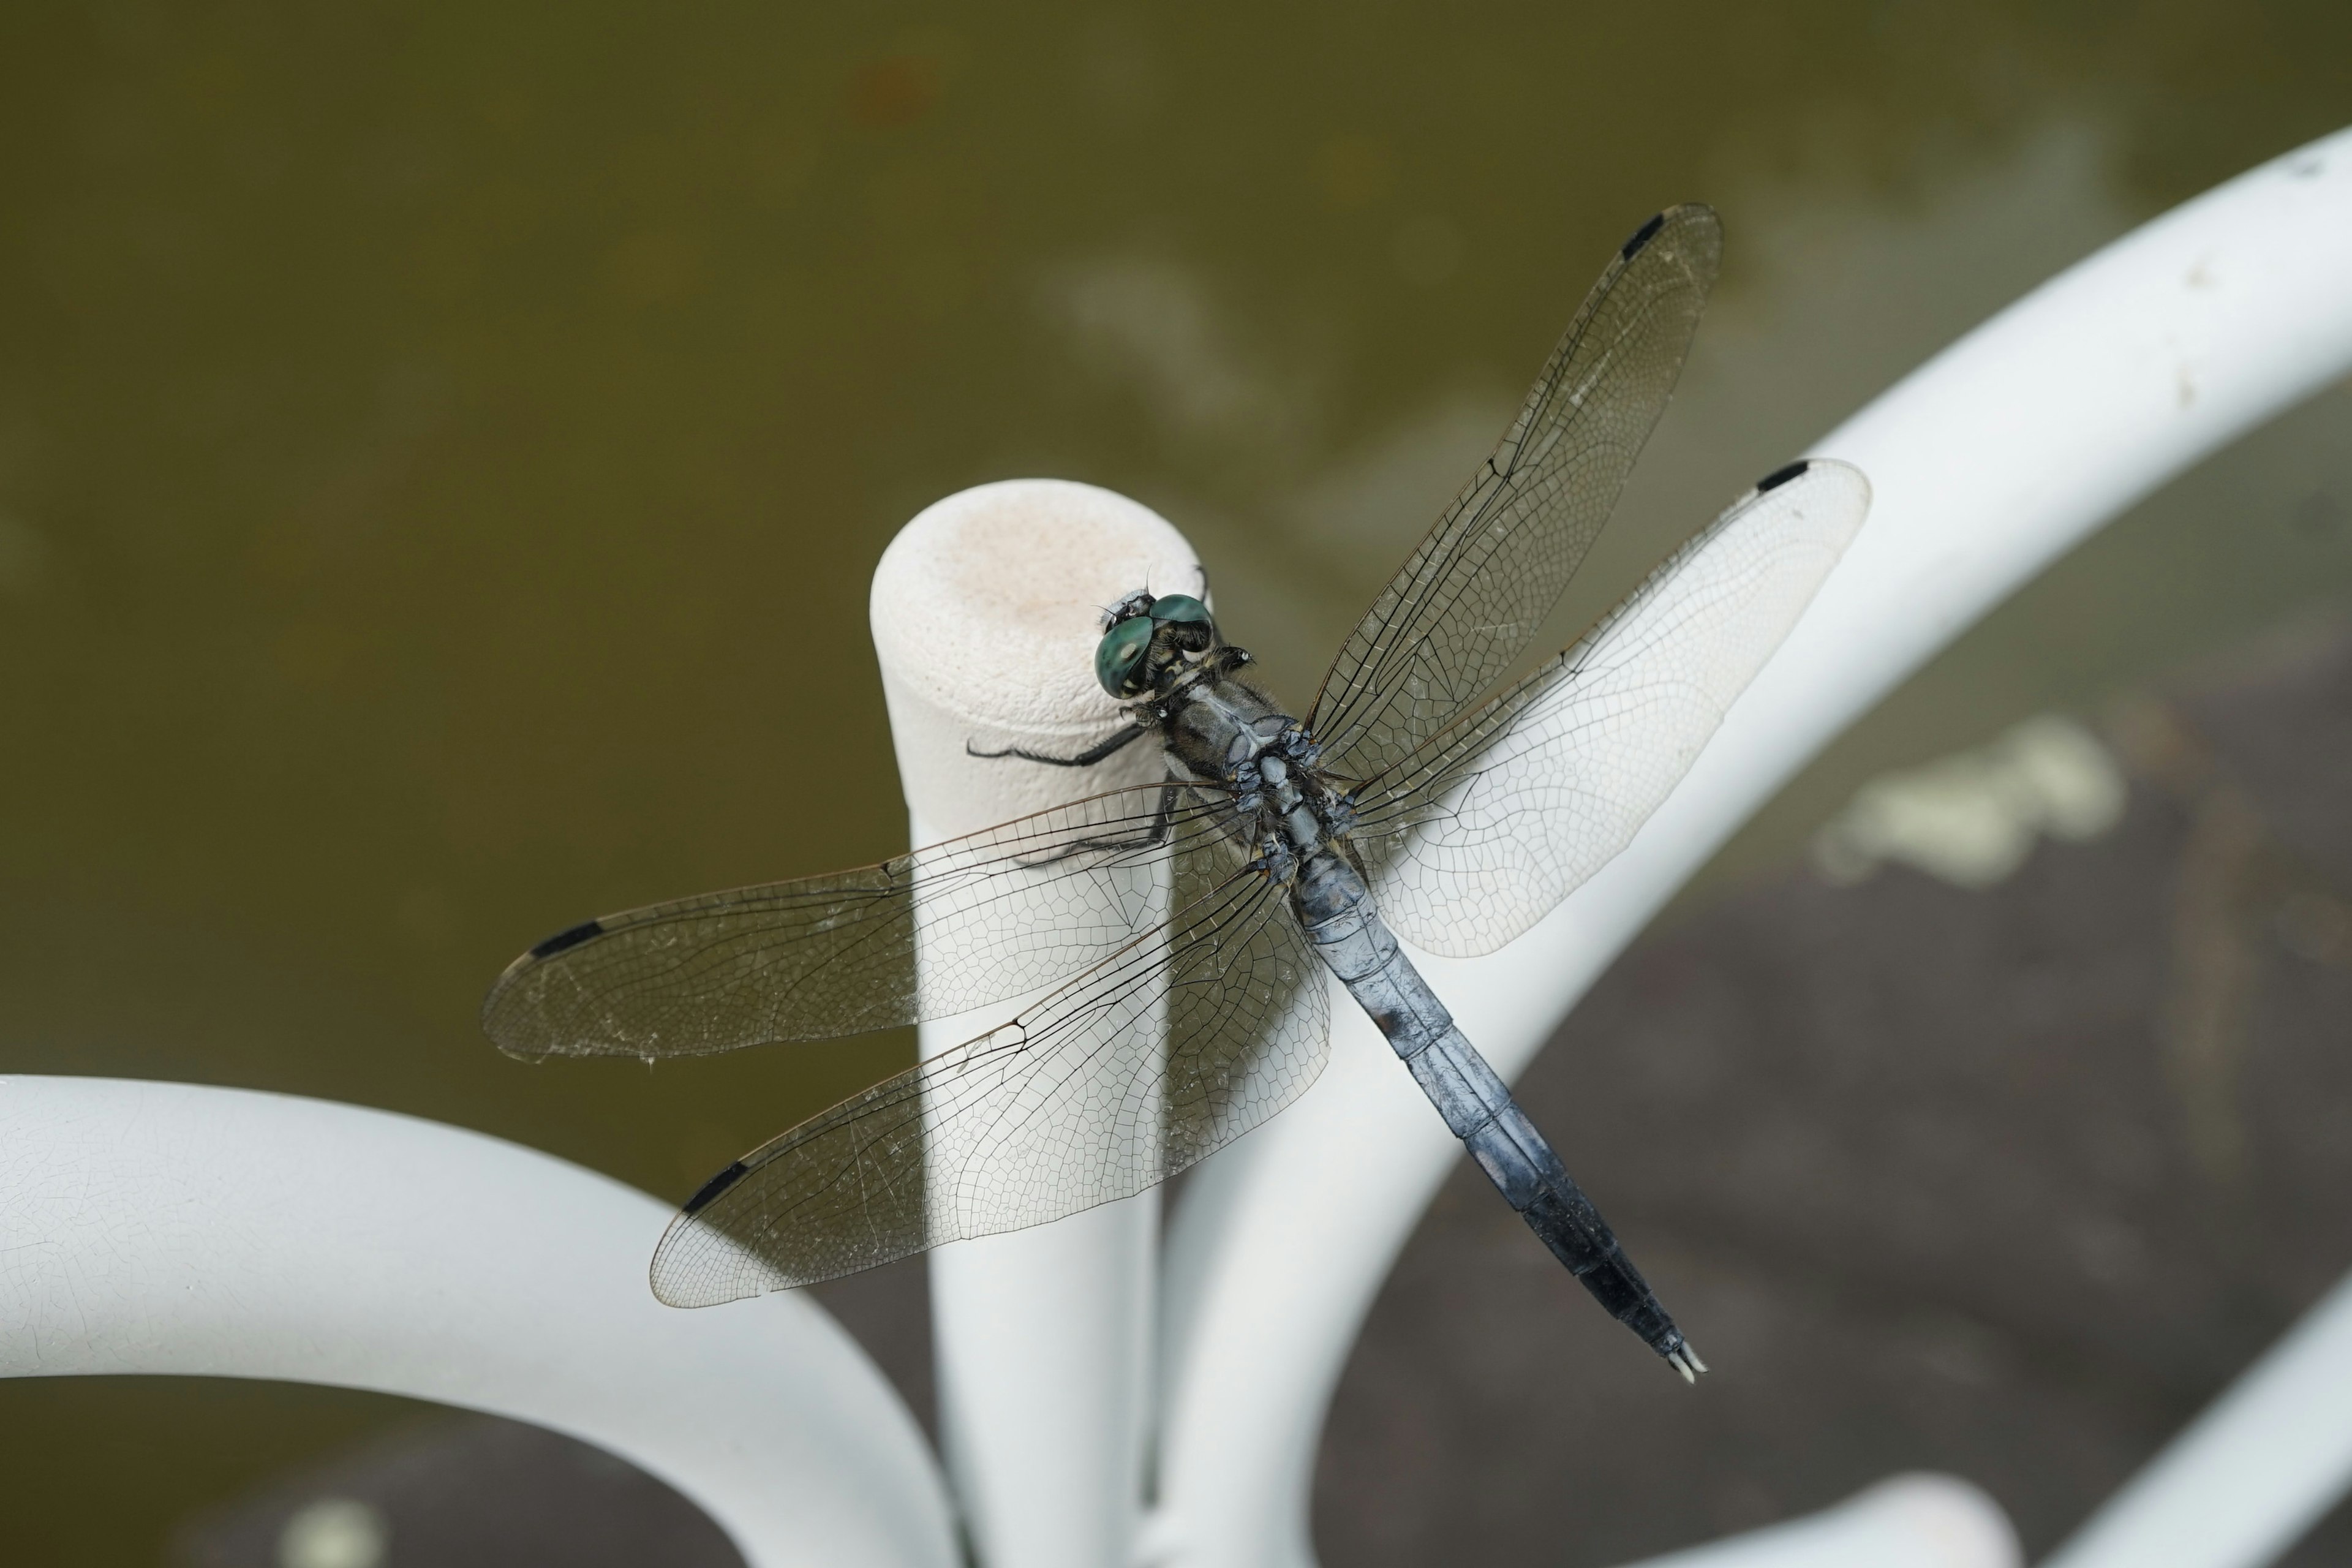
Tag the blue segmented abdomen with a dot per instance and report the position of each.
(1337, 910)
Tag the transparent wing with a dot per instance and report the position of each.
(1493, 823)
(1467, 602)
(1003, 912)
(1107, 1085)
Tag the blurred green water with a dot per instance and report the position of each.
(443, 451)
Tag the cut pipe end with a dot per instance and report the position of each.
(986, 610)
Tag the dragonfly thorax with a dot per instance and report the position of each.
(1223, 731)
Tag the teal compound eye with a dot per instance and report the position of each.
(1120, 655)
(1181, 607)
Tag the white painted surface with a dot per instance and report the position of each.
(1920, 1521)
(1043, 1339)
(172, 1228)
(987, 608)
(2258, 1468)
(1988, 462)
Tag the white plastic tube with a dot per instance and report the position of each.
(171, 1228)
(1988, 462)
(986, 611)
(2249, 1475)
(1906, 1522)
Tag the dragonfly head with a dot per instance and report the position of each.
(1144, 637)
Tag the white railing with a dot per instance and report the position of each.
(172, 1228)
(162, 1228)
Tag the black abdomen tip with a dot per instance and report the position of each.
(1642, 236)
(716, 1186)
(1778, 476)
(571, 938)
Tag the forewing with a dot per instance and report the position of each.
(1479, 836)
(1175, 1045)
(1003, 912)
(1468, 601)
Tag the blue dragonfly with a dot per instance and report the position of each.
(1424, 796)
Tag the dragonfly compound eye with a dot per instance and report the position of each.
(1188, 621)
(1118, 658)
(1179, 607)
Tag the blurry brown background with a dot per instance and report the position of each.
(443, 449)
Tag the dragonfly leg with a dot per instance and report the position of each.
(1084, 759)
(1156, 833)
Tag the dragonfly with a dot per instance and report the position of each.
(1176, 935)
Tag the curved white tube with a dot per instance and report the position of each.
(1988, 462)
(173, 1228)
(986, 611)
(1920, 1521)
(2259, 1468)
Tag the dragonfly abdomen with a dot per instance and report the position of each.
(1356, 945)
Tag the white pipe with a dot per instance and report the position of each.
(172, 1228)
(986, 611)
(1920, 1521)
(2258, 1468)
(1986, 463)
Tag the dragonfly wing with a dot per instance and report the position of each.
(1181, 1043)
(1495, 821)
(1467, 602)
(1001, 912)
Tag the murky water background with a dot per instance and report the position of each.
(442, 454)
